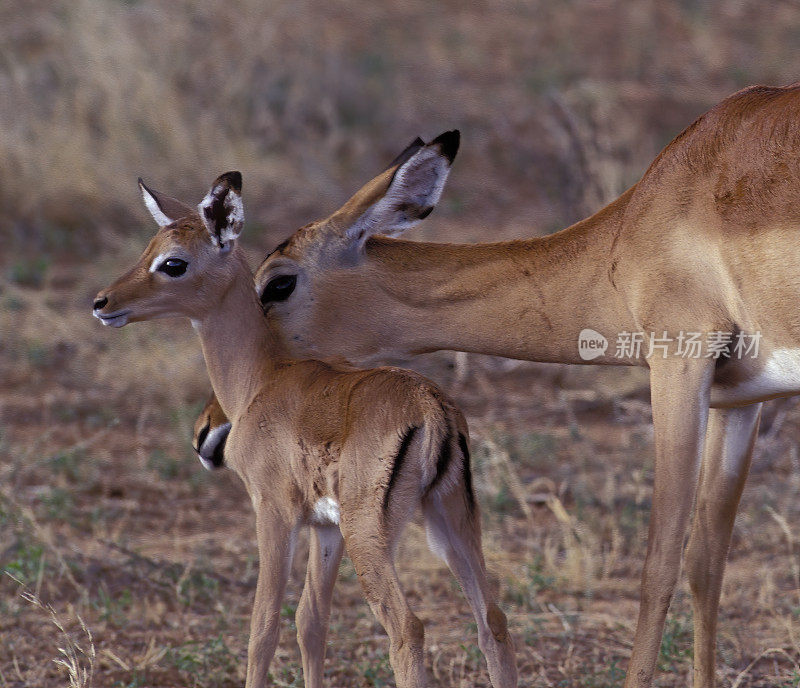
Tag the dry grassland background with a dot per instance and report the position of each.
(134, 567)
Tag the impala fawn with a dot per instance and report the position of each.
(349, 453)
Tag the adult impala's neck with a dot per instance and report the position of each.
(239, 348)
(520, 299)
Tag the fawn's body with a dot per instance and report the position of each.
(350, 453)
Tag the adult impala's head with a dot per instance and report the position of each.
(316, 285)
(185, 266)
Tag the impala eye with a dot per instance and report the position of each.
(279, 288)
(174, 267)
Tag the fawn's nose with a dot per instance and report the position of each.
(100, 302)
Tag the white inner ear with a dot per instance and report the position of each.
(418, 184)
(161, 219)
(234, 212)
(235, 208)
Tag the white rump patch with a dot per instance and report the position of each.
(325, 512)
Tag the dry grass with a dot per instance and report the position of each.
(141, 566)
(562, 105)
(114, 530)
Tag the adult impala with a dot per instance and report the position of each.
(350, 453)
(706, 242)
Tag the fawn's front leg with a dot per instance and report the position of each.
(314, 609)
(276, 539)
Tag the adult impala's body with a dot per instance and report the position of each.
(706, 242)
(350, 453)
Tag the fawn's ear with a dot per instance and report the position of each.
(164, 209)
(222, 210)
(402, 196)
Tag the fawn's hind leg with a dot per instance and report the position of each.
(369, 546)
(453, 528)
(314, 609)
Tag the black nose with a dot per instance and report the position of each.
(100, 303)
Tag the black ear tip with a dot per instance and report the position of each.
(233, 179)
(407, 153)
(448, 143)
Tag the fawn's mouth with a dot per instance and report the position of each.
(117, 319)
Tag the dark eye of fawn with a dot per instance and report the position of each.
(174, 267)
(279, 288)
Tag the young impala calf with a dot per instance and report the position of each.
(350, 453)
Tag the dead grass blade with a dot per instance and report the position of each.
(78, 661)
(769, 651)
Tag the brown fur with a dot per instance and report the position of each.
(706, 241)
(303, 430)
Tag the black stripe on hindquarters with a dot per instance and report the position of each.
(464, 446)
(442, 461)
(443, 464)
(398, 463)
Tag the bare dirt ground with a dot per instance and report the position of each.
(130, 564)
(123, 558)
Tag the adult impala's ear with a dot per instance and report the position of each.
(164, 209)
(409, 150)
(222, 210)
(404, 195)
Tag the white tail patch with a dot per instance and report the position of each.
(325, 512)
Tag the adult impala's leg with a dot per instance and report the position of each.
(314, 609)
(679, 391)
(275, 550)
(454, 534)
(728, 450)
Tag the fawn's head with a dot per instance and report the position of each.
(314, 265)
(186, 265)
